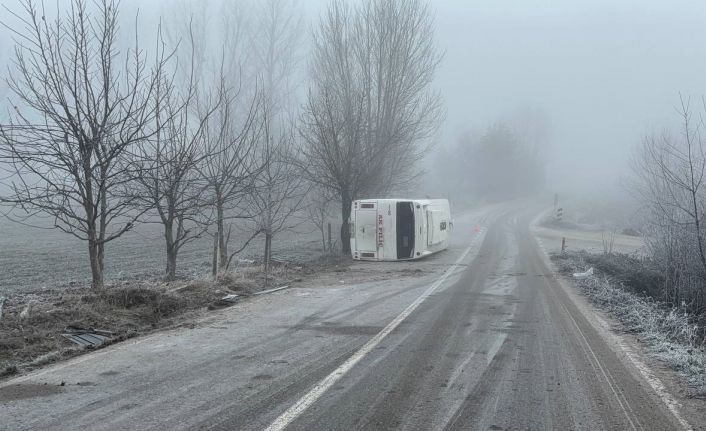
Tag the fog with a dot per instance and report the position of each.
(601, 74)
(604, 73)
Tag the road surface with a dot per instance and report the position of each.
(487, 339)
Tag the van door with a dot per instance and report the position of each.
(405, 230)
(366, 230)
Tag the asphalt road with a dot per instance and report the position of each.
(487, 339)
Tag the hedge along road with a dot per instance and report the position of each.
(488, 340)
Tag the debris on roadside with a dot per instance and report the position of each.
(584, 274)
(24, 314)
(275, 289)
(224, 302)
(88, 338)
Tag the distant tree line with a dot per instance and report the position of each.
(504, 161)
(201, 130)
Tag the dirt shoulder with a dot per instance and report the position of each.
(33, 324)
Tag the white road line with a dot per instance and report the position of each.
(317, 391)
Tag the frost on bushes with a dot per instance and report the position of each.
(670, 333)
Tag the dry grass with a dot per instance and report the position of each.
(672, 334)
(127, 309)
(36, 339)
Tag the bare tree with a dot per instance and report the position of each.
(370, 109)
(670, 172)
(224, 46)
(279, 188)
(231, 169)
(167, 166)
(80, 108)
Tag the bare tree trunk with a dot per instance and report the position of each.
(346, 203)
(101, 260)
(95, 256)
(171, 251)
(171, 263)
(101, 232)
(323, 237)
(222, 243)
(268, 256)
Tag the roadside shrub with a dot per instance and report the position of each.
(161, 303)
(671, 333)
(46, 358)
(9, 370)
(637, 274)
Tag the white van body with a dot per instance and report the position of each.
(399, 229)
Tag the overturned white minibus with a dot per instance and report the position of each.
(399, 229)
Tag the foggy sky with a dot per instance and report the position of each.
(605, 73)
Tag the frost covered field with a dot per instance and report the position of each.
(33, 258)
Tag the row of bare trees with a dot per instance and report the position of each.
(79, 110)
(670, 172)
(201, 133)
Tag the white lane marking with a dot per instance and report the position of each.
(317, 391)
